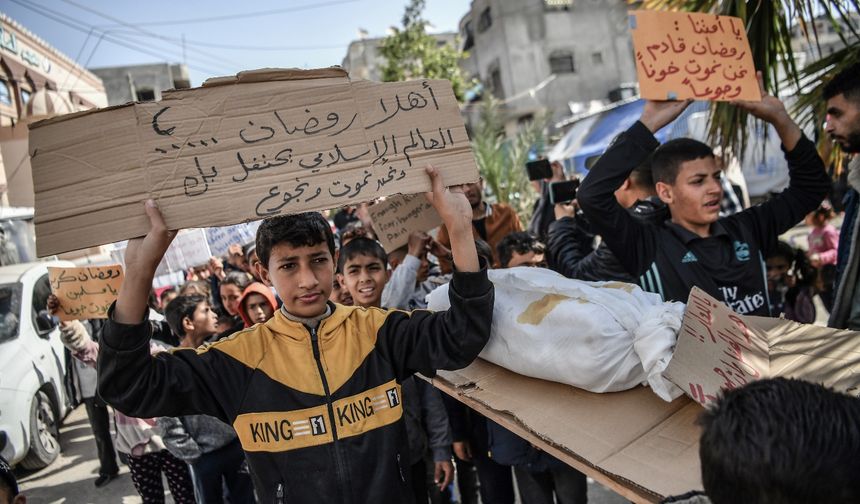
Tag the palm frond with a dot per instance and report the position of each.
(769, 26)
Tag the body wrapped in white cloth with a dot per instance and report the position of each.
(598, 336)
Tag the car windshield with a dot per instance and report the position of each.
(10, 310)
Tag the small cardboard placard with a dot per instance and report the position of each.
(85, 293)
(220, 238)
(719, 349)
(189, 249)
(260, 144)
(399, 216)
(681, 55)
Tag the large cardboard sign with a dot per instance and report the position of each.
(681, 55)
(85, 293)
(719, 349)
(399, 216)
(263, 143)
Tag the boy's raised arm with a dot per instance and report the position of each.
(141, 260)
(456, 213)
(167, 384)
(808, 184)
(623, 234)
(422, 341)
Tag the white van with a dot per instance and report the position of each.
(33, 397)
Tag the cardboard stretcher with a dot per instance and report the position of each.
(632, 442)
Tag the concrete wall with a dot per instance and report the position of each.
(522, 36)
(123, 84)
(363, 60)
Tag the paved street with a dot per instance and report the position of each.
(69, 480)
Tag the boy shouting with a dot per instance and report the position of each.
(723, 256)
(314, 393)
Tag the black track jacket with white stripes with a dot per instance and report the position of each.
(668, 259)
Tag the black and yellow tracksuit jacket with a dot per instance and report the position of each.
(318, 411)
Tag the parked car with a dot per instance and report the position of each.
(33, 391)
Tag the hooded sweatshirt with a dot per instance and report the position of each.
(256, 288)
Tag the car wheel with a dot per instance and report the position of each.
(44, 433)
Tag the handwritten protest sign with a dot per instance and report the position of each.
(397, 217)
(220, 238)
(681, 55)
(716, 349)
(85, 293)
(263, 143)
(719, 349)
(188, 249)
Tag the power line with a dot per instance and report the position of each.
(78, 57)
(231, 17)
(64, 20)
(141, 30)
(241, 47)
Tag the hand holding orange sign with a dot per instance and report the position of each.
(692, 56)
(85, 293)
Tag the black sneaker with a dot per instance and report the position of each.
(104, 479)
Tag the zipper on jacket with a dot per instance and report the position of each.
(400, 468)
(279, 494)
(340, 463)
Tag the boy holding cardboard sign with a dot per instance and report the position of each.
(314, 393)
(723, 256)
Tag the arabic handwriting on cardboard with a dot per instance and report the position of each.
(85, 292)
(692, 55)
(270, 142)
(734, 366)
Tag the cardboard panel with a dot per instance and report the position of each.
(719, 349)
(399, 216)
(238, 149)
(85, 293)
(681, 55)
(631, 441)
(716, 349)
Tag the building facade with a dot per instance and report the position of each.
(364, 61)
(125, 84)
(824, 39)
(549, 56)
(36, 81)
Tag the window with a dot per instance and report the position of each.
(41, 291)
(145, 95)
(561, 62)
(557, 5)
(468, 36)
(495, 83)
(597, 58)
(485, 21)
(10, 310)
(5, 96)
(25, 96)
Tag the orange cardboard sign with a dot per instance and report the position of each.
(85, 293)
(682, 55)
